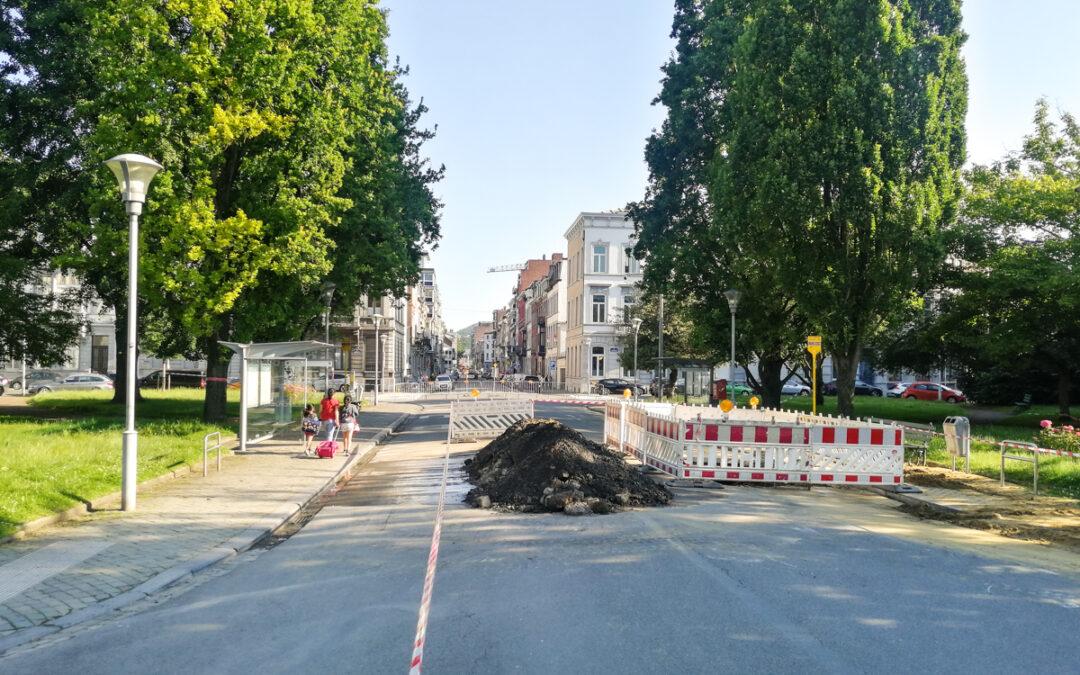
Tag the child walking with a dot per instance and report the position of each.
(309, 424)
(350, 422)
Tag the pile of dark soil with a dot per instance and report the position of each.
(543, 465)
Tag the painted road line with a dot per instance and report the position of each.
(429, 577)
(31, 569)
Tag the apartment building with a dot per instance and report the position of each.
(601, 278)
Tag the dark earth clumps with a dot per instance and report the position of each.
(543, 465)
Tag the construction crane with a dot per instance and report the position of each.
(508, 268)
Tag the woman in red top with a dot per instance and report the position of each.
(328, 413)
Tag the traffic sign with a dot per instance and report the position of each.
(813, 344)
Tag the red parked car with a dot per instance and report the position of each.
(929, 391)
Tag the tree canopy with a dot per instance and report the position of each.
(290, 148)
(811, 155)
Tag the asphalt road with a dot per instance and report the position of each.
(746, 579)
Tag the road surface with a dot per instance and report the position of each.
(745, 578)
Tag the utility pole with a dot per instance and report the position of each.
(660, 351)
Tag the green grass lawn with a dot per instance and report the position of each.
(51, 465)
(175, 404)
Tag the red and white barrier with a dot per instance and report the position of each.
(756, 445)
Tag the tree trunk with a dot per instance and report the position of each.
(769, 369)
(217, 372)
(1064, 386)
(844, 366)
(120, 384)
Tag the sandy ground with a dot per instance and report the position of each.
(982, 503)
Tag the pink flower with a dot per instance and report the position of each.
(1046, 424)
(1068, 429)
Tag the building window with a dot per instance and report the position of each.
(597, 361)
(632, 264)
(599, 258)
(599, 308)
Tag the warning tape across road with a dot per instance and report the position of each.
(429, 576)
(1041, 451)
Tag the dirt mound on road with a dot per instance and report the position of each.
(543, 465)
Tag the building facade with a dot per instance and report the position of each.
(602, 280)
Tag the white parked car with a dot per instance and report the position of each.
(795, 388)
(897, 390)
(443, 383)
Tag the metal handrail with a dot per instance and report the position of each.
(1033, 460)
(206, 451)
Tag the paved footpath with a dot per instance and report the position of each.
(76, 570)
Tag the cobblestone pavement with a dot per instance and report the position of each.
(176, 521)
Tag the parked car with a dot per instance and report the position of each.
(532, 378)
(78, 381)
(795, 388)
(443, 383)
(933, 391)
(861, 389)
(36, 377)
(175, 378)
(896, 389)
(617, 385)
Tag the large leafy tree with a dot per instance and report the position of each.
(257, 109)
(695, 243)
(846, 147)
(835, 141)
(1012, 300)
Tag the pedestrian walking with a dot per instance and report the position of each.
(328, 413)
(350, 422)
(309, 425)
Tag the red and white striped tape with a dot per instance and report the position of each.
(1042, 451)
(568, 401)
(429, 577)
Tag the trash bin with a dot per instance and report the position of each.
(958, 440)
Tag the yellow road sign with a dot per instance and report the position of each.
(813, 344)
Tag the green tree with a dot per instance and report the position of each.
(696, 244)
(1012, 300)
(841, 154)
(270, 118)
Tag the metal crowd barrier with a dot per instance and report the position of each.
(470, 420)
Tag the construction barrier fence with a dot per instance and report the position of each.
(773, 446)
(480, 418)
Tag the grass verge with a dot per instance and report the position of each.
(49, 465)
(176, 404)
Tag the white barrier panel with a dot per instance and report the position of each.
(486, 419)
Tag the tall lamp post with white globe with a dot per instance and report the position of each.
(133, 173)
(732, 296)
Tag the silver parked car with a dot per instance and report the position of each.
(795, 388)
(73, 382)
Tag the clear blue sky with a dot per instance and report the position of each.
(543, 110)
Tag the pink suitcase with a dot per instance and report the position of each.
(327, 449)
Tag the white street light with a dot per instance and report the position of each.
(328, 298)
(637, 326)
(588, 365)
(133, 173)
(376, 316)
(732, 296)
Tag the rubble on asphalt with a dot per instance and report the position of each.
(540, 465)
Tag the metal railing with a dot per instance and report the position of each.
(1033, 459)
(206, 448)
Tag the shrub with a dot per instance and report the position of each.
(1058, 438)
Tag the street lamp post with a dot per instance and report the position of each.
(732, 296)
(637, 327)
(328, 297)
(376, 317)
(133, 173)
(588, 365)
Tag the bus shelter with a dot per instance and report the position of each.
(276, 380)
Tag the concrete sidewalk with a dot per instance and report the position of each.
(78, 570)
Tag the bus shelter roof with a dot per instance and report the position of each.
(276, 350)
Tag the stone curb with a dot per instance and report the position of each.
(234, 546)
(914, 501)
